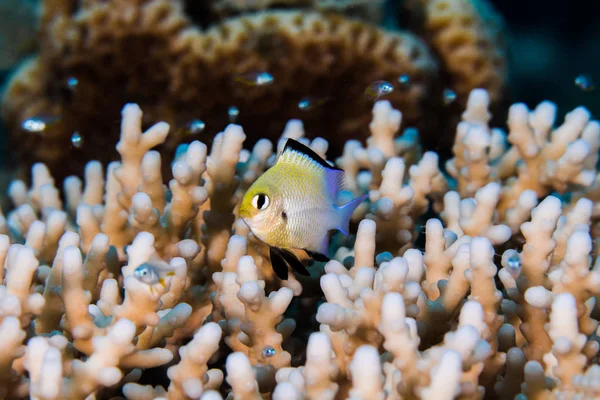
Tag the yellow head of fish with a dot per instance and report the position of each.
(261, 208)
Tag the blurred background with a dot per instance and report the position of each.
(554, 50)
(551, 44)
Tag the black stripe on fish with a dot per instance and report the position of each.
(315, 255)
(307, 151)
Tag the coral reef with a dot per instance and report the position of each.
(126, 285)
(97, 55)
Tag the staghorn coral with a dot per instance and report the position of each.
(451, 320)
(96, 55)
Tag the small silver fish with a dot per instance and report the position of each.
(404, 81)
(292, 206)
(255, 79)
(312, 103)
(233, 112)
(378, 89)
(514, 262)
(195, 127)
(268, 352)
(72, 83)
(77, 140)
(448, 96)
(147, 273)
(39, 124)
(585, 82)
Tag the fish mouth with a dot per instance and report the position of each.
(245, 215)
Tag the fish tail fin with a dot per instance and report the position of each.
(346, 213)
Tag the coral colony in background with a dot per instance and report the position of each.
(467, 279)
(137, 287)
(97, 55)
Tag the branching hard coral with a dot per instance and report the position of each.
(541, 158)
(152, 306)
(395, 299)
(395, 204)
(121, 282)
(254, 322)
(221, 186)
(191, 376)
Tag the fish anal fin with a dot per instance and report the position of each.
(294, 262)
(315, 255)
(280, 265)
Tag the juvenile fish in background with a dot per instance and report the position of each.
(585, 82)
(378, 89)
(448, 96)
(151, 274)
(255, 78)
(194, 127)
(312, 103)
(233, 112)
(76, 140)
(146, 273)
(404, 81)
(292, 206)
(39, 124)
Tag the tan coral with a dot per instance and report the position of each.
(468, 37)
(81, 320)
(366, 10)
(178, 74)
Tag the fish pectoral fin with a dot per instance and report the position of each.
(315, 255)
(280, 265)
(293, 261)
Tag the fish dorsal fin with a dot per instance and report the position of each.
(295, 153)
(294, 145)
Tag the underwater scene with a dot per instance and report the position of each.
(299, 199)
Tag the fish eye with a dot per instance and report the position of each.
(260, 201)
